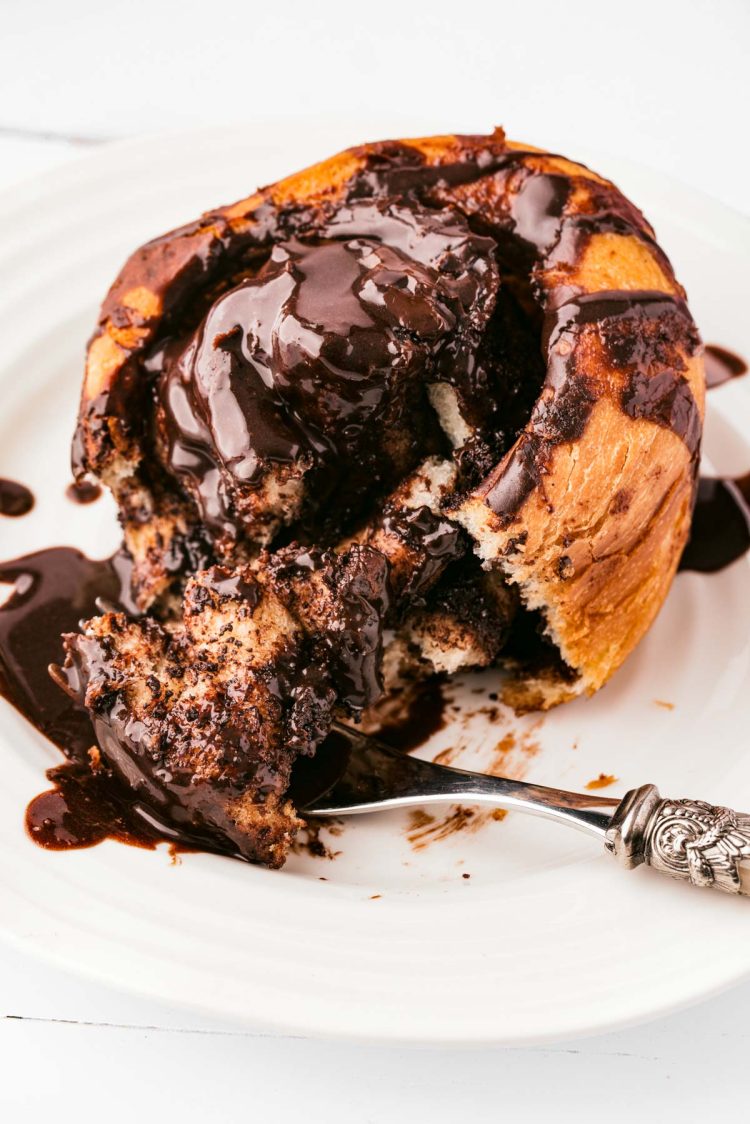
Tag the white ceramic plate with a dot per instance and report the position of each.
(547, 938)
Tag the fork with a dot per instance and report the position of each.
(704, 844)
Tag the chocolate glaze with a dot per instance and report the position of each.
(316, 365)
(433, 542)
(667, 400)
(534, 225)
(15, 499)
(354, 634)
(720, 531)
(207, 756)
(722, 365)
(274, 387)
(83, 491)
(534, 222)
(397, 170)
(530, 219)
(90, 801)
(353, 596)
(54, 587)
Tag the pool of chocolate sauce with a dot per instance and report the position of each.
(720, 531)
(83, 491)
(722, 365)
(420, 718)
(15, 499)
(52, 591)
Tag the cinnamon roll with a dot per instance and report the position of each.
(446, 387)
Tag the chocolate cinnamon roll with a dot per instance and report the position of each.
(449, 387)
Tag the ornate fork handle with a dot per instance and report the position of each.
(700, 843)
(704, 844)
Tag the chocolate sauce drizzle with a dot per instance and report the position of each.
(433, 541)
(722, 365)
(720, 531)
(52, 591)
(316, 364)
(288, 348)
(15, 499)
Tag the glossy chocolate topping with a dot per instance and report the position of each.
(55, 587)
(85, 807)
(204, 721)
(534, 220)
(434, 540)
(317, 364)
(343, 599)
(15, 499)
(131, 794)
(528, 211)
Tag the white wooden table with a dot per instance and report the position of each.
(663, 83)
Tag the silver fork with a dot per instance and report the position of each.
(704, 844)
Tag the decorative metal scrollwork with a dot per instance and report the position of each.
(701, 842)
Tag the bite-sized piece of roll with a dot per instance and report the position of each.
(205, 723)
(413, 534)
(341, 600)
(466, 621)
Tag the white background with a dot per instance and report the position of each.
(663, 83)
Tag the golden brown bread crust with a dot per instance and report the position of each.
(594, 539)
